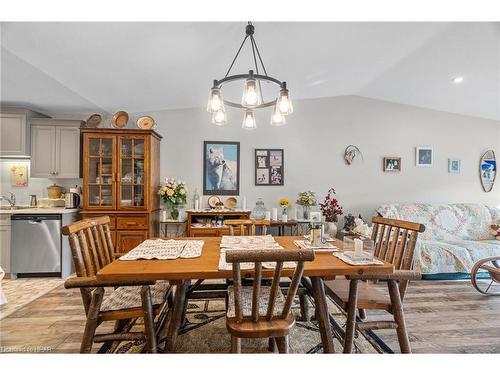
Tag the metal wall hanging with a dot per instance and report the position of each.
(488, 170)
(252, 92)
(350, 154)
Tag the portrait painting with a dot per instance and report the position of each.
(221, 168)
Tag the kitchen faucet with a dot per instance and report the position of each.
(11, 200)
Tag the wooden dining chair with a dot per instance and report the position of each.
(247, 227)
(92, 249)
(490, 265)
(394, 242)
(259, 311)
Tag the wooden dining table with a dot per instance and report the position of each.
(181, 272)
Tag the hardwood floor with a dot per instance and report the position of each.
(442, 317)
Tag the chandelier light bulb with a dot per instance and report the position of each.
(277, 118)
(284, 102)
(251, 95)
(249, 121)
(215, 100)
(219, 117)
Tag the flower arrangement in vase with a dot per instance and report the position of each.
(331, 210)
(306, 199)
(173, 193)
(284, 203)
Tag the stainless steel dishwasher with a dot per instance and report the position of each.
(35, 245)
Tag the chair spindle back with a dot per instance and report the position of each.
(247, 227)
(91, 244)
(258, 257)
(394, 242)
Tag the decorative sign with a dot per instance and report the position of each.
(19, 175)
(488, 170)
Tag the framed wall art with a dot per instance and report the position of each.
(269, 165)
(392, 164)
(221, 168)
(454, 165)
(424, 156)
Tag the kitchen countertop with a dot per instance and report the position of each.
(29, 210)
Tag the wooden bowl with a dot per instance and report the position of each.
(120, 119)
(94, 120)
(230, 202)
(145, 122)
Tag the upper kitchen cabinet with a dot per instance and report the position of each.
(15, 131)
(55, 148)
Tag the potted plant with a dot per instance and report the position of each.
(173, 193)
(306, 199)
(331, 211)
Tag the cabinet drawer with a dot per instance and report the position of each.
(112, 219)
(132, 222)
(127, 240)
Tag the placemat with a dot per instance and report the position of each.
(349, 258)
(165, 249)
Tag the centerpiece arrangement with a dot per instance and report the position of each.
(331, 210)
(306, 199)
(174, 194)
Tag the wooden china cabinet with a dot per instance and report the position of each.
(121, 175)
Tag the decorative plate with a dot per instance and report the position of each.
(120, 119)
(230, 202)
(145, 122)
(213, 201)
(94, 120)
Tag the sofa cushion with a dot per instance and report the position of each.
(446, 222)
(454, 256)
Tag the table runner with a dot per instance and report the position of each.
(324, 248)
(165, 249)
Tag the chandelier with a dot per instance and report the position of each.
(252, 91)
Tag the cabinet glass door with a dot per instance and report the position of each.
(131, 178)
(99, 172)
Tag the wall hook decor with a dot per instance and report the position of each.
(350, 154)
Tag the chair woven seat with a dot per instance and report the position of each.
(246, 301)
(129, 297)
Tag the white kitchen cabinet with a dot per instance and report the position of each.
(14, 135)
(15, 131)
(55, 148)
(5, 242)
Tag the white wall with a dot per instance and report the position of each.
(314, 140)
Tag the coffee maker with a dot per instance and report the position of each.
(72, 199)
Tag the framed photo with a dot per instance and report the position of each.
(392, 164)
(424, 156)
(454, 165)
(19, 175)
(221, 168)
(315, 216)
(269, 167)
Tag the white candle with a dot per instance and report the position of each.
(164, 215)
(274, 214)
(284, 218)
(293, 213)
(197, 204)
(358, 247)
(268, 215)
(244, 204)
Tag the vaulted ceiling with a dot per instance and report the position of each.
(104, 67)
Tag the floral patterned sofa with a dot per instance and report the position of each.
(455, 237)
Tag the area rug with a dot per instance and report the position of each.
(205, 332)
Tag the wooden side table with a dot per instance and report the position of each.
(180, 228)
(291, 224)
